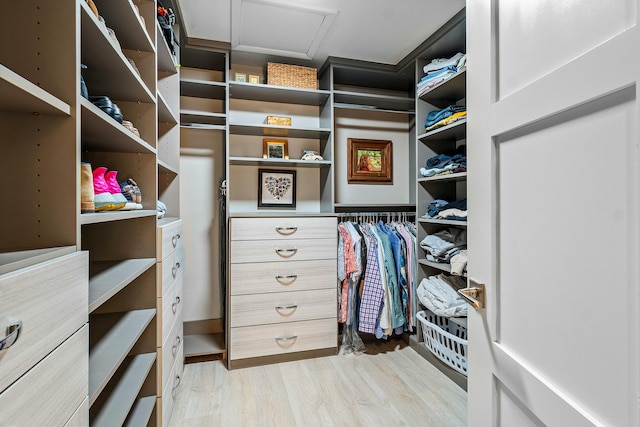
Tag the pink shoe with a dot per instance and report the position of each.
(103, 199)
(112, 184)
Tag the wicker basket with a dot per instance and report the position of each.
(277, 120)
(292, 76)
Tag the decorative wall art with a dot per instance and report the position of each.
(275, 149)
(276, 188)
(369, 160)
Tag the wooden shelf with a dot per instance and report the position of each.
(373, 102)
(279, 131)
(112, 276)
(164, 167)
(100, 217)
(199, 126)
(140, 414)
(165, 114)
(437, 265)
(108, 71)
(116, 408)
(100, 132)
(280, 94)
(11, 261)
(19, 95)
(202, 117)
(461, 176)
(258, 161)
(203, 89)
(449, 91)
(166, 61)
(443, 222)
(121, 16)
(452, 132)
(204, 345)
(107, 354)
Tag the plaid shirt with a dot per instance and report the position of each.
(373, 291)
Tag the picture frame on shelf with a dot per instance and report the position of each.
(276, 188)
(369, 161)
(254, 79)
(275, 149)
(241, 77)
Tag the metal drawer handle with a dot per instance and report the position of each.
(286, 230)
(174, 304)
(288, 341)
(287, 253)
(286, 307)
(13, 332)
(176, 345)
(176, 384)
(174, 269)
(174, 239)
(290, 277)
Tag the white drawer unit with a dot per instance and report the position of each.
(171, 388)
(282, 289)
(169, 270)
(170, 349)
(172, 306)
(169, 238)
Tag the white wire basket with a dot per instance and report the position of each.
(445, 339)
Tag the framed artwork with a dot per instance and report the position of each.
(254, 79)
(276, 188)
(370, 160)
(275, 149)
(241, 77)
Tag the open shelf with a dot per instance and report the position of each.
(461, 176)
(202, 117)
(375, 102)
(203, 345)
(21, 96)
(202, 89)
(454, 131)
(112, 276)
(140, 414)
(116, 408)
(165, 114)
(280, 131)
(11, 261)
(166, 61)
(164, 167)
(280, 94)
(121, 16)
(100, 217)
(448, 91)
(106, 355)
(437, 265)
(259, 161)
(202, 126)
(443, 222)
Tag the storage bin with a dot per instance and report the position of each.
(445, 339)
(277, 120)
(292, 76)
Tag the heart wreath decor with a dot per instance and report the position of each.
(277, 187)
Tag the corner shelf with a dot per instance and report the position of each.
(373, 102)
(21, 96)
(114, 276)
(452, 89)
(280, 94)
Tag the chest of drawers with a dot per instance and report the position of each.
(282, 289)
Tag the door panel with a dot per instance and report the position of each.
(553, 191)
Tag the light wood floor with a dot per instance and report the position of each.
(389, 385)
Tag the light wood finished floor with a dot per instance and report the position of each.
(389, 385)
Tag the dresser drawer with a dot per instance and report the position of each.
(51, 301)
(292, 228)
(170, 393)
(172, 303)
(171, 347)
(257, 309)
(169, 270)
(282, 250)
(263, 277)
(169, 239)
(282, 338)
(50, 393)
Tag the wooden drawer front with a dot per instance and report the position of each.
(50, 393)
(171, 347)
(258, 309)
(281, 277)
(81, 417)
(169, 239)
(282, 250)
(291, 228)
(257, 341)
(170, 393)
(172, 303)
(170, 269)
(51, 301)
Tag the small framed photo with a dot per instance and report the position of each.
(370, 160)
(254, 79)
(276, 188)
(241, 77)
(275, 149)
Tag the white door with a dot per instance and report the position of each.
(553, 199)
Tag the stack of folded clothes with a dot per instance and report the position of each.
(445, 244)
(441, 209)
(442, 164)
(446, 116)
(439, 70)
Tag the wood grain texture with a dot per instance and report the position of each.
(291, 228)
(282, 250)
(169, 239)
(388, 385)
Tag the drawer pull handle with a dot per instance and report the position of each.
(287, 341)
(13, 332)
(174, 269)
(286, 307)
(174, 239)
(176, 384)
(286, 230)
(286, 253)
(176, 345)
(288, 278)
(175, 304)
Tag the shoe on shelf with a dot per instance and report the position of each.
(114, 188)
(131, 192)
(87, 204)
(131, 128)
(103, 199)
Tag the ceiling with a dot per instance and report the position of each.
(380, 31)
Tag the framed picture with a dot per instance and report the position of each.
(275, 149)
(276, 188)
(370, 160)
(241, 77)
(254, 79)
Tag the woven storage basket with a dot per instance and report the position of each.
(292, 76)
(445, 339)
(277, 120)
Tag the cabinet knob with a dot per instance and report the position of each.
(13, 332)
(286, 230)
